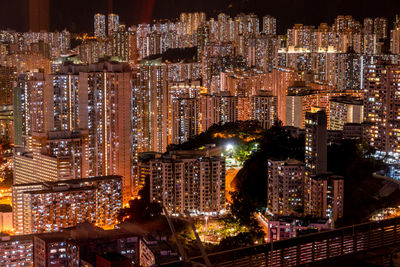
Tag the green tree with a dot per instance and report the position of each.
(251, 182)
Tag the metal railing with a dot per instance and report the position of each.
(312, 248)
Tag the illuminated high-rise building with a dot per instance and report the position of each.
(46, 103)
(56, 156)
(381, 28)
(189, 180)
(191, 22)
(285, 186)
(315, 156)
(183, 17)
(300, 36)
(7, 78)
(16, 250)
(113, 23)
(124, 45)
(227, 107)
(262, 52)
(269, 25)
(382, 105)
(297, 105)
(105, 88)
(345, 23)
(368, 26)
(209, 111)
(252, 24)
(150, 116)
(323, 38)
(221, 108)
(185, 113)
(50, 206)
(185, 116)
(157, 84)
(90, 51)
(99, 26)
(62, 102)
(95, 99)
(316, 142)
(222, 27)
(344, 110)
(29, 107)
(282, 79)
(327, 195)
(264, 108)
(395, 38)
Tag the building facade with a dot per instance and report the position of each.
(51, 206)
(188, 181)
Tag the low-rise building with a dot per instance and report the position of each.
(51, 206)
(285, 186)
(188, 180)
(344, 110)
(283, 227)
(327, 196)
(16, 250)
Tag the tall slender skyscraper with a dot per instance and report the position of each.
(395, 37)
(269, 25)
(106, 89)
(315, 156)
(316, 142)
(113, 23)
(99, 25)
(382, 106)
(381, 27)
(95, 99)
(151, 112)
(264, 108)
(7, 76)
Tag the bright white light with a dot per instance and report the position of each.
(229, 147)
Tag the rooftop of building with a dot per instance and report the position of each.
(162, 250)
(175, 55)
(347, 100)
(327, 176)
(5, 208)
(113, 257)
(301, 91)
(71, 183)
(61, 135)
(243, 73)
(105, 64)
(289, 162)
(59, 189)
(301, 220)
(264, 93)
(292, 162)
(86, 233)
(352, 124)
(209, 150)
(53, 237)
(4, 238)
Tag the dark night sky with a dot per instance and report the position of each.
(77, 15)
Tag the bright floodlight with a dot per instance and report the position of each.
(229, 147)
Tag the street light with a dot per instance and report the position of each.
(229, 147)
